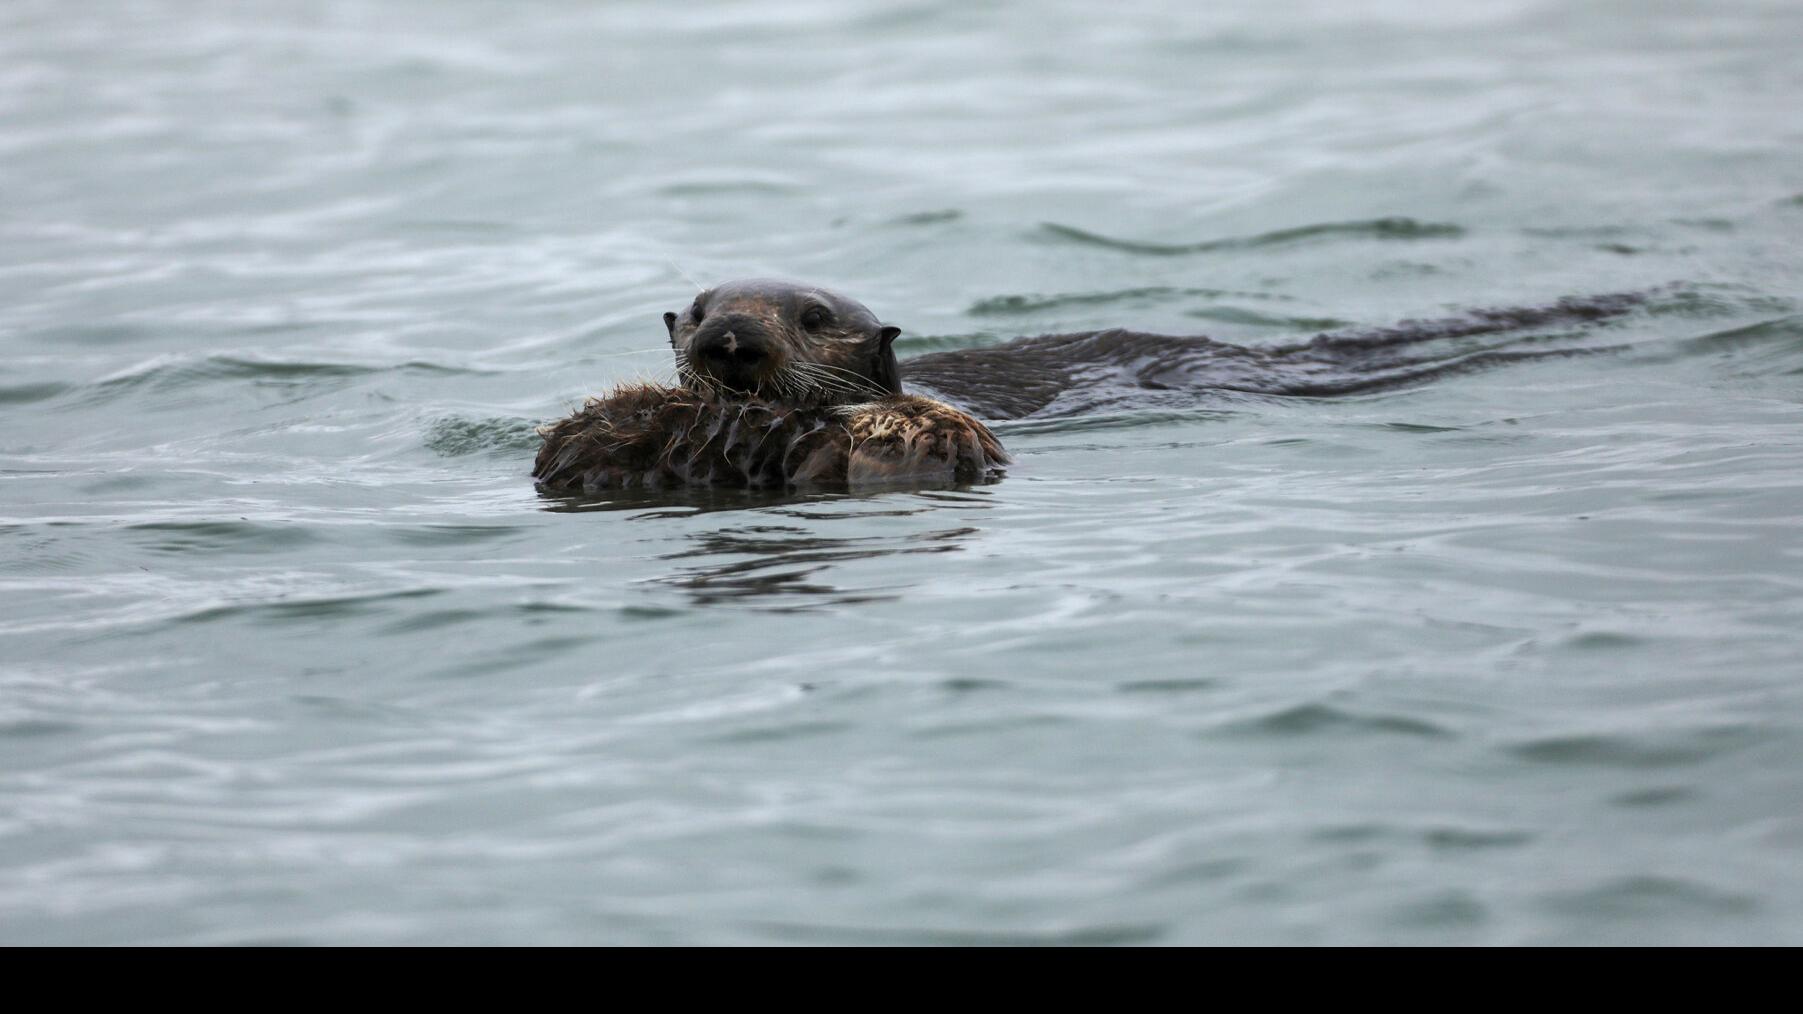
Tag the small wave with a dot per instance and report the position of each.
(1107, 421)
(1690, 299)
(432, 619)
(1324, 719)
(1022, 305)
(460, 226)
(1579, 231)
(1252, 318)
(972, 685)
(449, 535)
(1101, 935)
(781, 733)
(1166, 686)
(25, 394)
(1443, 910)
(1394, 228)
(326, 607)
(702, 186)
(1764, 349)
(1462, 839)
(1406, 427)
(92, 334)
(929, 217)
(1603, 640)
(454, 436)
(222, 536)
(911, 344)
(32, 728)
(1785, 332)
(515, 656)
(1658, 795)
(1644, 897)
(1672, 749)
(168, 372)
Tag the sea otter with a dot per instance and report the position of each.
(782, 385)
(794, 385)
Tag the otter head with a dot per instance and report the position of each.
(794, 344)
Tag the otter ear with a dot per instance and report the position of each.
(670, 325)
(883, 367)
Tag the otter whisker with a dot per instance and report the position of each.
(857, 378)
(852, 381)
(685, 275)
(803, 386)
(656, 350)
(833, 380)
(685, 369)
(806, 382)
(817, 377)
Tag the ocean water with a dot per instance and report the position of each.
(292, 651)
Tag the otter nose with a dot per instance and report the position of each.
(730, 348)
(734, 354)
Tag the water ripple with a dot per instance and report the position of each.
(1391, 228)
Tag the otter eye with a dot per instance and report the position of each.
(815, 318)
(696, 313)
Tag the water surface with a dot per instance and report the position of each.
(291, 650)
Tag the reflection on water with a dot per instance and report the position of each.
(776, 565)
(783, 566)
(690, 501)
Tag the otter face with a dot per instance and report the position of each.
(793, 344)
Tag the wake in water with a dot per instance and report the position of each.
(1068, 374)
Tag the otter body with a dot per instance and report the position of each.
(653, 437)
(1091, 371)
(790, 385)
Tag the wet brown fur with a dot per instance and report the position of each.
(650, 436)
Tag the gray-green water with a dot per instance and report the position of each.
(290, 650)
